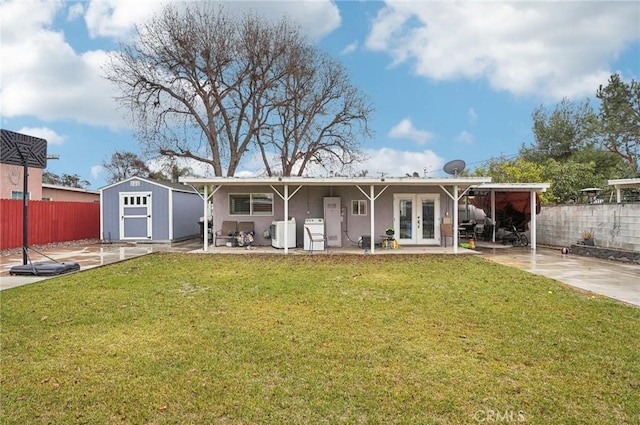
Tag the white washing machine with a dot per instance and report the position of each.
(277, 233)
(315, 225)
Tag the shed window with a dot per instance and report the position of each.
(359, 207)
(251, 204)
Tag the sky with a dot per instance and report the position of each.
(448, 80)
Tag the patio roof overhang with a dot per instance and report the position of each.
(454, 187)
(620, 184)
(334, 181)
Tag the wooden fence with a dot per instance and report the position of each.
(49, 221)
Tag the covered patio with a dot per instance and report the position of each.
(380, 195)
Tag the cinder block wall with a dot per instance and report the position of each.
(614, 225)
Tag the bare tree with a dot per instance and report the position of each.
(196, 81)
(315, 116)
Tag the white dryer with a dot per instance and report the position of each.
(315, 225)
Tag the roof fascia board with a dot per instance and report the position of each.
(233, 181)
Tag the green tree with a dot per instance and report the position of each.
(67, 180)
(50, 178)
(561, 132)
(74, 180)
(123, 165)
(619, 119)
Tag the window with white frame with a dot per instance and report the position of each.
(251, 204)
(359, 207)
(17, 194)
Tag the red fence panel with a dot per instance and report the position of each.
(49, 221)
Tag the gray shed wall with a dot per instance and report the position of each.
(187, 209)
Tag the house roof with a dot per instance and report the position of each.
(69, 189)
(168, 185)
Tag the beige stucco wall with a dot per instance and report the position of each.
(308, 203)
(11, 178)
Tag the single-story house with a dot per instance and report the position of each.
(352, 209)
(52, 192)
(144, 210)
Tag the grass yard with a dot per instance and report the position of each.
(184, 338)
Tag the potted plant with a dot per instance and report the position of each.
(587, 237)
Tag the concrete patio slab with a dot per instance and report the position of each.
(613, 279)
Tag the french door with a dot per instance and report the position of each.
(416, 218)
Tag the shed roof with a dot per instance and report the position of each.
(168, 185)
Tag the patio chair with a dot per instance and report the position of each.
(313, 238)
(446, 231)
(227, 232)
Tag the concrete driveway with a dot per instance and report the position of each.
(612, 279)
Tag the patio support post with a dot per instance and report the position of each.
(534, 226)
(205, 229)
(373, 220)
(455, 219)
(286, 219)
(618, 194)
(493, 215)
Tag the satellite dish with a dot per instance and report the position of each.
(454, 167)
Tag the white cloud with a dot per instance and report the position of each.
(350, 48)
(96, 170)
(49, 135)
(75, 11)
(553, 49)
(396, 163)
(465, 137)
(116, 18)
(405, 130)
(44, 77)
(472, 115)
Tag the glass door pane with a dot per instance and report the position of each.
(428, 224)
(406, 219)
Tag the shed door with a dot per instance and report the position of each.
(135, 215)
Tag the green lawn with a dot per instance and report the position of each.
(184, 338)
